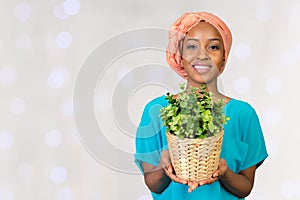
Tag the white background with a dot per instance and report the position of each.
(43, 44)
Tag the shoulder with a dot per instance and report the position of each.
(240, 110)
(235, 105)
(152, 108)
(157, 102)
(151, 111)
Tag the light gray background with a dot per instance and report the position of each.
(43, 48)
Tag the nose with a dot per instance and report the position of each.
(202, 54)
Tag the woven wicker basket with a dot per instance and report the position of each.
(195, 159)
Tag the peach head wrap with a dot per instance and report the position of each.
(179, 30)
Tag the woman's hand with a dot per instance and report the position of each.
(222, 169)
(169, 170)
(171, 174)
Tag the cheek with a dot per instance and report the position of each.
(185, 62)
(218, 60)
(189, 55)
(186, 65)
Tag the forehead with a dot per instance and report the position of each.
(203, 28)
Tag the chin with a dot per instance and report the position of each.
(196, 82)
(200, 79)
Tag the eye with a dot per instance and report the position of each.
(191, 46)
(214, 47)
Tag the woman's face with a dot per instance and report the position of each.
(203, 54)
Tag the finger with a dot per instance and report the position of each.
(192, 186)
(213, 180)
(216, 174)
(170, 173)
(202, 182)
(207, 181)
(179, 180)
(170, 169)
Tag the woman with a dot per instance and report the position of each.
(198, 49)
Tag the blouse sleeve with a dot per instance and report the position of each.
(150, 137)
(257, 151)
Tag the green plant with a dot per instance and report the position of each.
(192, 113)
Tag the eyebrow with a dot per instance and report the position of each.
(211, 39)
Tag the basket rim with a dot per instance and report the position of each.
(187, 139)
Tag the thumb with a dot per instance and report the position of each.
(170, 168)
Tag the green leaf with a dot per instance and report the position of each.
(193, 114)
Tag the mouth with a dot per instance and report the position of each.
(202, 68)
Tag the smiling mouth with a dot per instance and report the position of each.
(200, 67)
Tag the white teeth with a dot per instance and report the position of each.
(201, 66)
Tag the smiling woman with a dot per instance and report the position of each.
(198, 49)
(203, 54)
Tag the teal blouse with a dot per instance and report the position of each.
(243, 146)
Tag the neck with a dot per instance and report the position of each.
(211, 87)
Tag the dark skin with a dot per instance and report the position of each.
(203, 60)
(157, 178)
